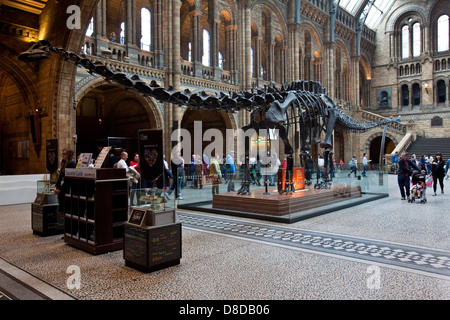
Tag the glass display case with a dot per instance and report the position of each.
(316, 192)
(150, 199)
(46, 220)
(45, 192)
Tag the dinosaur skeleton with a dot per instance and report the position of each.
(301, 106)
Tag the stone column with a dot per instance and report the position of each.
(410, 98)
(330, 68)
(100, 19)
(157, 36)
(355, 83)
(130, 22)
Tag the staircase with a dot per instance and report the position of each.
(430, 146)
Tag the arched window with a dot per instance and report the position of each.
(90, 29)
(416, 94)
(206, 60)
(122, 33)
(405, 95)
(146, 31)
(441, 92)
(190, 52)
(220, 60)
(251, 62)
(405, 42)
(401, 71)
(416, 40)
(437, 65)
(442, 33)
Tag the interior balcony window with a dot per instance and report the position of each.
(206, 59)
(443, 33)
(405, 42)
(417, 43)
(146, 31)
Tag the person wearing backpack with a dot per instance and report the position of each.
(353, 164)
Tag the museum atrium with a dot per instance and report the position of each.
(224, 150)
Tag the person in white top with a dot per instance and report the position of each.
(122, 162)
(365, 163)
(275, 164)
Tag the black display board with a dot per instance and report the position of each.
(151, 153)
(165, 244)
(52, 155)
(152, 248)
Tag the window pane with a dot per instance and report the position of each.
(90, 29)
(145, 29)
(405, 42)
(416, 40)
(442, 31)
(122, 33)
(206, 59)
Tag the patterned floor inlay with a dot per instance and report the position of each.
(431, 261)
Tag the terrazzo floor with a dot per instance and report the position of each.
(216, 266)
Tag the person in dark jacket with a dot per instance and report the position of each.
(406, 168)
(62, 188)
(438, 172)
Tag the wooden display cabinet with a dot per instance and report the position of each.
(96, 209)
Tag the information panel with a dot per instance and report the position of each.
(165, 244)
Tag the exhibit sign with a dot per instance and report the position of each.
(151, 153)
(101, 157)
(84, 160)
(52, 155)
(137, 217)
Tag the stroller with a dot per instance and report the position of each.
(420, 181)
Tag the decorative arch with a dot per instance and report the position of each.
(408, 8)
(22, 75)
(377, 135)
(314, 32)
(276, 11)
(150, 105)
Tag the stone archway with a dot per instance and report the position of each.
(106, 110)
(373, 146)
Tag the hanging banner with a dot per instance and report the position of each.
(52, 155)
(151, 153)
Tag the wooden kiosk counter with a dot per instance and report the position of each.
(96, 209)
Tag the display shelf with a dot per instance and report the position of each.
(96, 210)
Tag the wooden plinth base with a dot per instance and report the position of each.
(279, 205)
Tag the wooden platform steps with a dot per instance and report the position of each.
(279, 205)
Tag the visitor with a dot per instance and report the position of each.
(274, 165)
(231, 171)
(438, 172)
(395, 160)
(423, 163)
(199, 172)
(365, 164)
(135, 165)
(446, 166)
(112, 37)
(122, 164)
(177, 165)
(320, 166)
(61, 188)
(353, 164)
(405, 171)
(215, 174)
(429, 159)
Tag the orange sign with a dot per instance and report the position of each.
(299, 178)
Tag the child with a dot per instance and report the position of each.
(417, 189)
